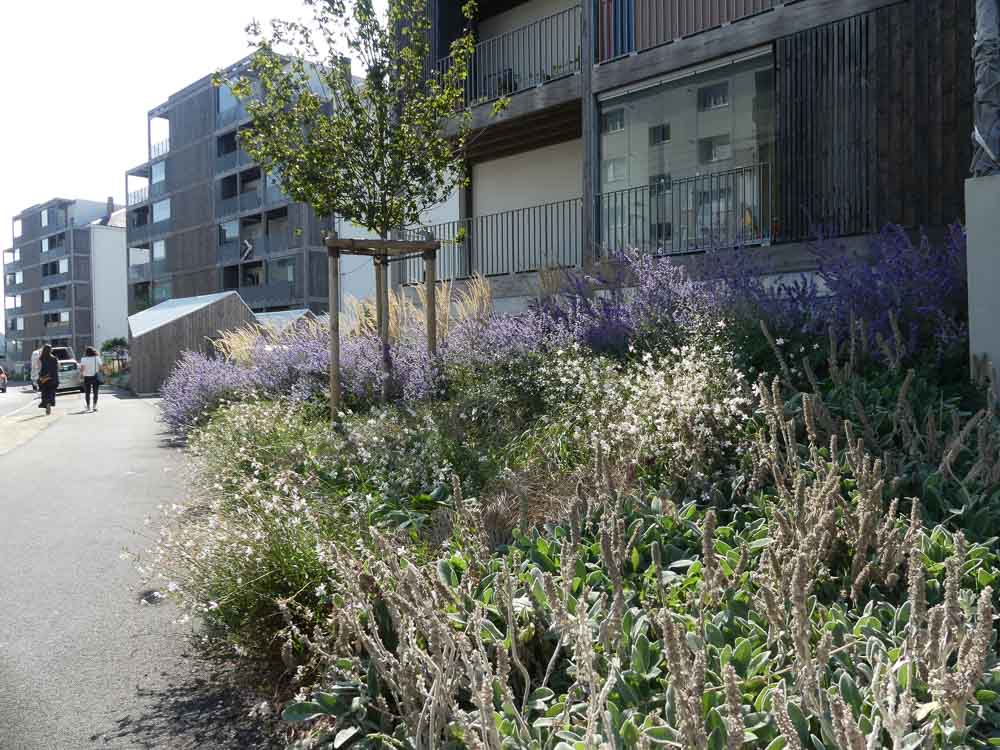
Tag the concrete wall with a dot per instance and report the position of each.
(109, 283)
(520, 16)
(982, 223)
(532, 178)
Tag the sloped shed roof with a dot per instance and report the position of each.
(280, 320)
(166, 312)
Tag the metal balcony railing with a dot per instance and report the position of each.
(138, 196)
(274, 194)
(626, 26)
(159, 148)
(517, 241)
(722, 209)
(229, 252)
(267, 243)
(522, 58)
(55, 304)
(273, 293)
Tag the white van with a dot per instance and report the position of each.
(69, 369)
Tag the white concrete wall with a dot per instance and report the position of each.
(109, 283)
(532, 178)
(522, 15)
(982, 224)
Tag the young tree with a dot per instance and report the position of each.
(376, 151)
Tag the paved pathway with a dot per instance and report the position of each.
(83, 662)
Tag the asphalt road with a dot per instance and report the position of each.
(84, 662)
(15, 398)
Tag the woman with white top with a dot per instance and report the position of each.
(90, 367)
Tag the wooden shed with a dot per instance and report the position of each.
(159, 334)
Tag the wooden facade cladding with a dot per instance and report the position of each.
(873, 116)
(661, 21)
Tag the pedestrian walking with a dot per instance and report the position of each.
(90, 368)
(48, 378)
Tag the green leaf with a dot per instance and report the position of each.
(446, 573)
(777, 743)
(344, 736)
(849, 692)
(303, 711)
(985, 697)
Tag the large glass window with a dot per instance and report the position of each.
(688, 163)
(159, 172)
(45, 217)
(161, 210)
(229, 232)
(283, 270)
(162, 291)
(227, 100)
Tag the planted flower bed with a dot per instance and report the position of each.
(705, 512)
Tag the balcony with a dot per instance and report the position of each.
(138, 196)
(723, 209)
(273, 194)
(227, 206)
(266, 244)
(627, 26)
(55, 279)
(249, 201)
(518, 241)
(58, 328)
(160, 148)
(138, 233)
(267, 295)
(523, 58)
(9, 263)
(55, 304)
(229, 252)
(160, 227)
(139, 272)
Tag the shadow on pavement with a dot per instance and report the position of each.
(196, 713)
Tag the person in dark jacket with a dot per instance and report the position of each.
(48, 379)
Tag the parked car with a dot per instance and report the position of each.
(3, 381)
(70, 378)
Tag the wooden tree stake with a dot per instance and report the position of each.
(334, 291)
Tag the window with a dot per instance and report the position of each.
(659, 134)
(283, 270)
(229, 232)
(55, 294)
(714, 96)
(56, 318)
(159, 172)
(161, 210)
(161, 291)
(17, 228)
(613, 121)
(18, 277)
(45, 245)
(45, 217)
(614, 170)
(12, 256)
(253, 274)
(10, 302)
(55, 267)
(716, 148)
(227, 100)
(20, 324)
(159, 250)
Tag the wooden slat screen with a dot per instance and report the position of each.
(873, 117)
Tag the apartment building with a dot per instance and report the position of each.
(203, 217)
(64, 278)
(677, 125)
